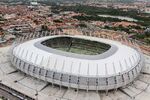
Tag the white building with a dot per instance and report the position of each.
(116, 66)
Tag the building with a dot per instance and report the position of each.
(77, 61)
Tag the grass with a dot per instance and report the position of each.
(81, 51)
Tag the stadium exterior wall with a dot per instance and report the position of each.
(78, 82)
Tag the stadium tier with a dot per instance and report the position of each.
(76, 45)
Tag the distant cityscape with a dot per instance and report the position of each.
(22, 17)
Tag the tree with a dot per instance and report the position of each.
(44, 28)
(147, 32)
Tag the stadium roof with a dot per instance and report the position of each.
(123, 58)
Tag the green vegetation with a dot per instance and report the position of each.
(48, 2)
(2, 19)
(44, 28)
(96, 18)
(57, 21)
(145, 37)
(119, 28)
(3, 98)
(90, 13)
(83, 25)
(143, 19)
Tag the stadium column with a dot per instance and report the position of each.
(115, 78)
(62, 74)
(54, 73)
(87, 88)
(97, 78)
(79, 76)
(70, 76)
(106, 73)
(41, 65)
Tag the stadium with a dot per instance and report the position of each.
(78, 61)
